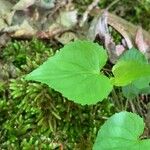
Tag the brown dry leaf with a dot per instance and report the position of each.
(45, 4)
(4, 38)
(24, 29)
(5, 8)
(23, 4)
(139, 40)
(2, 24)
(66, 37)
(26, 20)
(67, 19)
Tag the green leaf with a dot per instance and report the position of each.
(130, 67)
(130, 91)
(140, 85)
(122, 131)
(125, 72)
(75, 72)
(133, 54)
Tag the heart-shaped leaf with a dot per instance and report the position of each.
(141, 85)
(130, 67)
(122, 131)
(133, 54)
(126, 72)
(75, 72)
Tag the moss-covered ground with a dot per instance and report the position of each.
(35, 117)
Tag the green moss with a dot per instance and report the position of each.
(18, 51)
(33, 116)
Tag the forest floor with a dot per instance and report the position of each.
(34, 116)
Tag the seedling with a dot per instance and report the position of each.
(76, 72)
